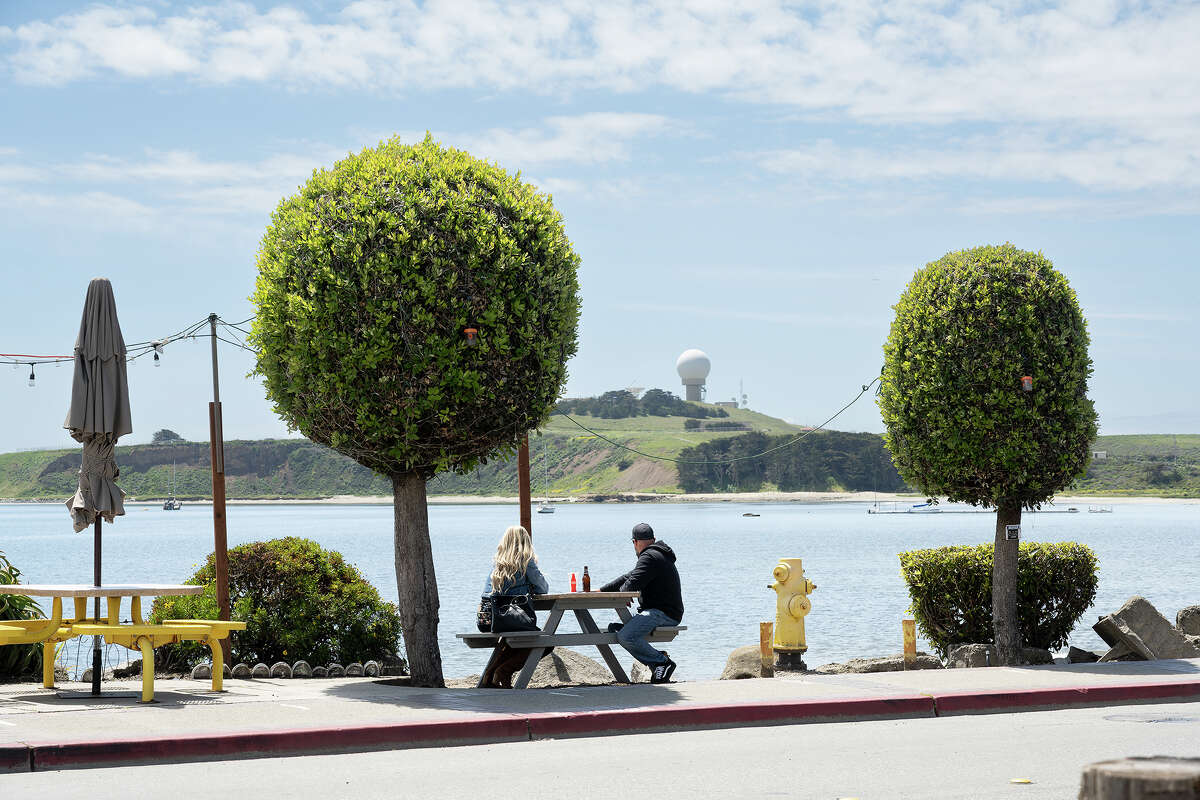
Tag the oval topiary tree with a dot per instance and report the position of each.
(416, 309)
(961, 422)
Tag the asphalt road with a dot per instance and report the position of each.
(949, 757)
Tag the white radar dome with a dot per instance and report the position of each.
(693, 365)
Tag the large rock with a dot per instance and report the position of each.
(884, 664)
(1078, 656)
(1139, 629)
(984, 655)
(744, 662)
(565, 667)
(1188, 620)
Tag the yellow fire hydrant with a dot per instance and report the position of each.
(791, 605)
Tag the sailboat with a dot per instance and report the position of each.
(545, 506)
(171, 504)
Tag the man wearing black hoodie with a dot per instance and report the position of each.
(661, 605)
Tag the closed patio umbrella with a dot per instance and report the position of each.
(98, 416)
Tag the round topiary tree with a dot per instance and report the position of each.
(416, 309)
(962, 420)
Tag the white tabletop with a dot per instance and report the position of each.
(108, 590)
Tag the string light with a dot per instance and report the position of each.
(32, 377)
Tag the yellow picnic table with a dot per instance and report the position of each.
(134, 635)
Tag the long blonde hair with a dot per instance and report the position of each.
(513, 555)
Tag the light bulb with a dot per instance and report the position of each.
(157, 363)
(32, 377)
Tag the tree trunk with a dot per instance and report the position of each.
(1004, 586)
(415, 582)
(1160, 777)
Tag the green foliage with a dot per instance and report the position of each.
(368, 278)
(165, 435)
(823, 461)
(17, 660)
(298, 601)
(622, 404)
(967, 328)
(951, 592)
(691, 424)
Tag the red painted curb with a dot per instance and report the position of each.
(278, 743)
(695, 716)
(14, 758)
(962, 702)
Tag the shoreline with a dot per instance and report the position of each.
(645, 497)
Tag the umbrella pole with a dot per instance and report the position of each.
(96, 659)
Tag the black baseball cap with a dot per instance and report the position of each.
(642, 531)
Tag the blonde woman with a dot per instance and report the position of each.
(514, 572)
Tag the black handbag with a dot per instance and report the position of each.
(512, 613)
(483, 617)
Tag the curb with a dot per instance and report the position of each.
(529, 727)
(1028, 699)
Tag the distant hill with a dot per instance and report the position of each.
(568, 460)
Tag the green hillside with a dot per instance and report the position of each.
(567, 460)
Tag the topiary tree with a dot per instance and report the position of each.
(960, 421)
(416, 309)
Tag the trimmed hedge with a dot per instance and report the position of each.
(951, 592)
(17, 660)
(298, 600)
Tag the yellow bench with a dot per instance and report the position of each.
(144, 637)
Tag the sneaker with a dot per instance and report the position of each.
(662, 672)
(613, 627)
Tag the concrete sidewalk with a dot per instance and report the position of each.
(39, 730)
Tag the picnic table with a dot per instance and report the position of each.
(581, 604)
(137, 634)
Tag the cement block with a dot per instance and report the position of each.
(1137, 627)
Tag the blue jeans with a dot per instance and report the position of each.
(633, 636)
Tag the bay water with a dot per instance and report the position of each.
(724, 558)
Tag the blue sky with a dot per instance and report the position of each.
(758, 182)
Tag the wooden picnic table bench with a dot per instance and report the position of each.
(581, 604)
(135, 635)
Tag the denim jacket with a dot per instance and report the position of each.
(532, 582)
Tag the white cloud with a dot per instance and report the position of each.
(1129, 63)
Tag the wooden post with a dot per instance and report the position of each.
(766, 648)
(910, 642)
(523, 488)
(1160, 777)
(216, 444)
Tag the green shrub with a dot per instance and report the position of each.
(298, 601)
(951, 592)
(17, 660)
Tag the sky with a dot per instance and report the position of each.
(759, 179)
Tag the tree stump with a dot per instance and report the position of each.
(1157, 777)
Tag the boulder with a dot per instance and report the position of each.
(320, 672)
(131, 670)
(201, 672)
(640, 673)
(281, 669)
(301, 669)
(393, 665)
(966, 656)
(354, 670)
(371, 669)
(885, 664)
(565, 667)
(336, 671)
(260, 670)
(106, 675)
(1077, 656)
(1137, 628)
(1188, 620)
(242, 671)
(744, 662)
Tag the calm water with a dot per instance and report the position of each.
(725, 559)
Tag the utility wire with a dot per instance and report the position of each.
(866, 387)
